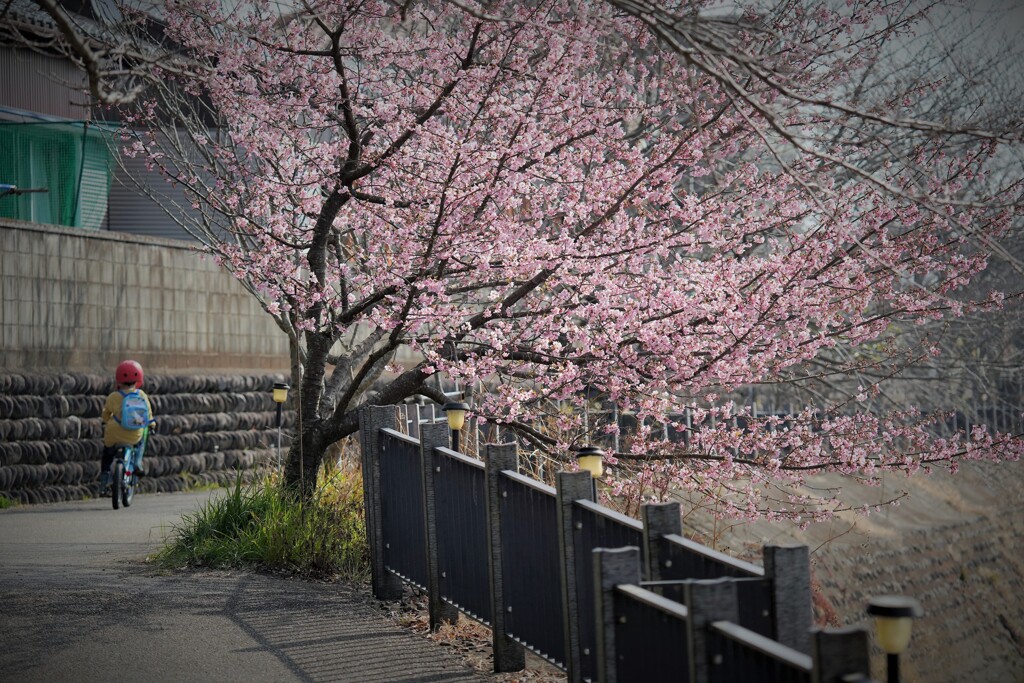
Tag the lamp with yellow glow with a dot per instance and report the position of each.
(456, 412)
(590, 458)
(894, 615)
(280, 396)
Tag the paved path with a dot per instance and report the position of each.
(77, 603)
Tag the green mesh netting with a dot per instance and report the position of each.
(68, 164)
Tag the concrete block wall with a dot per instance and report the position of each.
(75, 300)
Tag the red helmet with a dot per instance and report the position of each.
(129, 372)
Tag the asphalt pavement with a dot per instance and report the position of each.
(78, 602)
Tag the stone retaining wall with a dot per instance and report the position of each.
(208, 429)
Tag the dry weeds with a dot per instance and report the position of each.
(468, 639)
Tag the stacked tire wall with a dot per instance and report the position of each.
(209, 429)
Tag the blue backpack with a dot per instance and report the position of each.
(134, 410)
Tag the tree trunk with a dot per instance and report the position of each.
(305, 457)
(306, 453)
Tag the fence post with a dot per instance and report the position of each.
(790, 572)
(611, 568)
(839, 654)
(372, 419)
(508, 654)
(571, 486)
(660, 519)
(433, 436)
(707, 601)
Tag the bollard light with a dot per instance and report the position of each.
(590, 458)
(280, 396)
(456, 412)
(894, 616)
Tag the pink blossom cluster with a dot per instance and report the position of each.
(553, 202)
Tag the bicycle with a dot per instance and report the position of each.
(124, 478)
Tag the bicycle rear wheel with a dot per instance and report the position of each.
(117, 483)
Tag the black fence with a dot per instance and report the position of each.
(738, 653)
(601, 595)
(460, 505)
(402, 509)
(595, 527)
(650, 634)
(534, 600)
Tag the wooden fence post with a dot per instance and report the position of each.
(840, 654)
(611, 568)
(571, 486)
(790, 572)
(660, 519)
(372, 419)
(508, 654)
(433, 436)
(707, 601)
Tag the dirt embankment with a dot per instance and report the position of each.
(956, 543)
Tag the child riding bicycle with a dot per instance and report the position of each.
(127, 417)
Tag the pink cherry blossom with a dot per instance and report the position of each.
(554, 202)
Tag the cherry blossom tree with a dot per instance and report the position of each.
(660, 203)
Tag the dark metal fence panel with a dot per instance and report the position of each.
(596, 527)
(754, 598)
(737, 655)
(461, 508)
(650, 637)
(684, 559)
(402, 521)
(680, 558)
(531, 566)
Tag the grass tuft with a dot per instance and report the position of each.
(258, 525)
